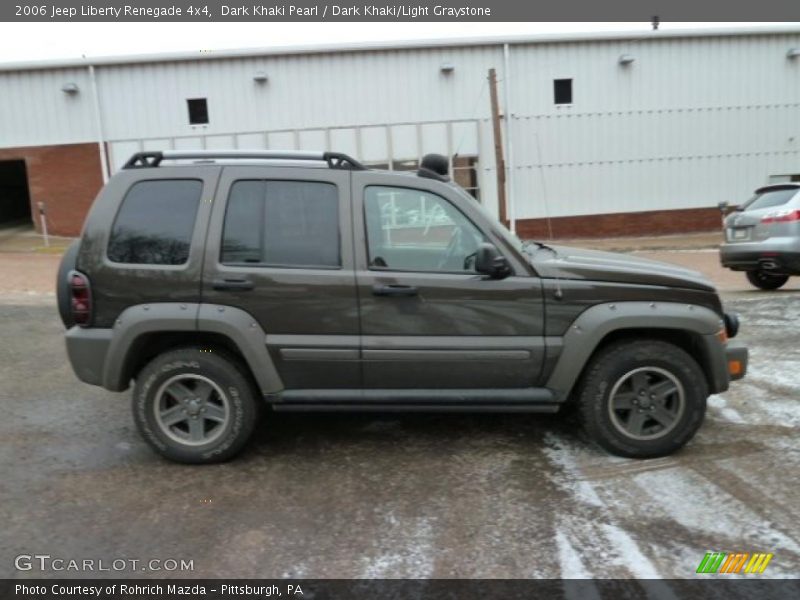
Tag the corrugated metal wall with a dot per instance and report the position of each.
(35, 112)
(692, 121)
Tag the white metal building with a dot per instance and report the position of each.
(645, 132)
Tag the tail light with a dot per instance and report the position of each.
(781, 216)
(80, 297)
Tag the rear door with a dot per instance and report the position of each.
(428, 320)
(276, 250)
(153, 249)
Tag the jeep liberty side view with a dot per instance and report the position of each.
(220, 283)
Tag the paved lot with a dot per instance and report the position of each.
(389, 496)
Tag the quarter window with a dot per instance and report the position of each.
(413, 230)
(154, 225)
(282, 223)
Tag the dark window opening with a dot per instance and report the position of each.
(15, 202)
(464, 171)
(155, 223)
(562, 91)
(465, 174)
(282, 224)
(198, 111)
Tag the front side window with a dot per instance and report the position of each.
(413, 230)
(282, 223)
(154, 225)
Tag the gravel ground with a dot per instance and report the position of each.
(388, 496)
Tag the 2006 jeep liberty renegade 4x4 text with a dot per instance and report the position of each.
(219, 283)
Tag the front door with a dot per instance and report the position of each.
(428, 319)
(276, 250)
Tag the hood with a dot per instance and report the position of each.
(594, 265)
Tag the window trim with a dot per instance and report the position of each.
(133, 265)
(371, 267)
(263, 265)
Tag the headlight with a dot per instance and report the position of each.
(731, 324)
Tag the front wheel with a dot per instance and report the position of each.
(642, 398)
(195, 405)
(766, 281)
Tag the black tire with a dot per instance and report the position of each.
(617, 368)
(230, 394)
(766, 281)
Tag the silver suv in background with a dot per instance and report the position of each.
(762, 236)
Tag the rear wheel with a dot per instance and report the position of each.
(766, 281)
(642, 398)
(195, 405)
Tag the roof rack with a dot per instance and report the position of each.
(335, 160)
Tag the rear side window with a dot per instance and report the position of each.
(770, 199)
(154, 225)
(282, 223)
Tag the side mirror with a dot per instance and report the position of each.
(489, 261)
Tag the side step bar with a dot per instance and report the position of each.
(416, 408)
(416, 400)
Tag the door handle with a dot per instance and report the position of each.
(394, 290)
(232, 284)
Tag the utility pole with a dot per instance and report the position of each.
(498, 148)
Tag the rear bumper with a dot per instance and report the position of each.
(87, 349)
(755, 256)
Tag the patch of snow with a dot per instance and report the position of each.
(720, 404)
(632, 557)
(563, 454)
(717, 401)
(412, 554)
(569, 560)
(699, 505)
(731, 415)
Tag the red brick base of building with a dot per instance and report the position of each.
(653, 222)
(66, 178)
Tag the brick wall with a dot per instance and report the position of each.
(66, 178)
(654, 222)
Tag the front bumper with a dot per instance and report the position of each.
(736, 356)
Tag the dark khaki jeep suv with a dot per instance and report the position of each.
(220, 283)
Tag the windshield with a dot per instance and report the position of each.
(770, 199)
(509, 237)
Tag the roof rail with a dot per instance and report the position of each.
(335, 160)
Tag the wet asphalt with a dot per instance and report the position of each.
(322, 496)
